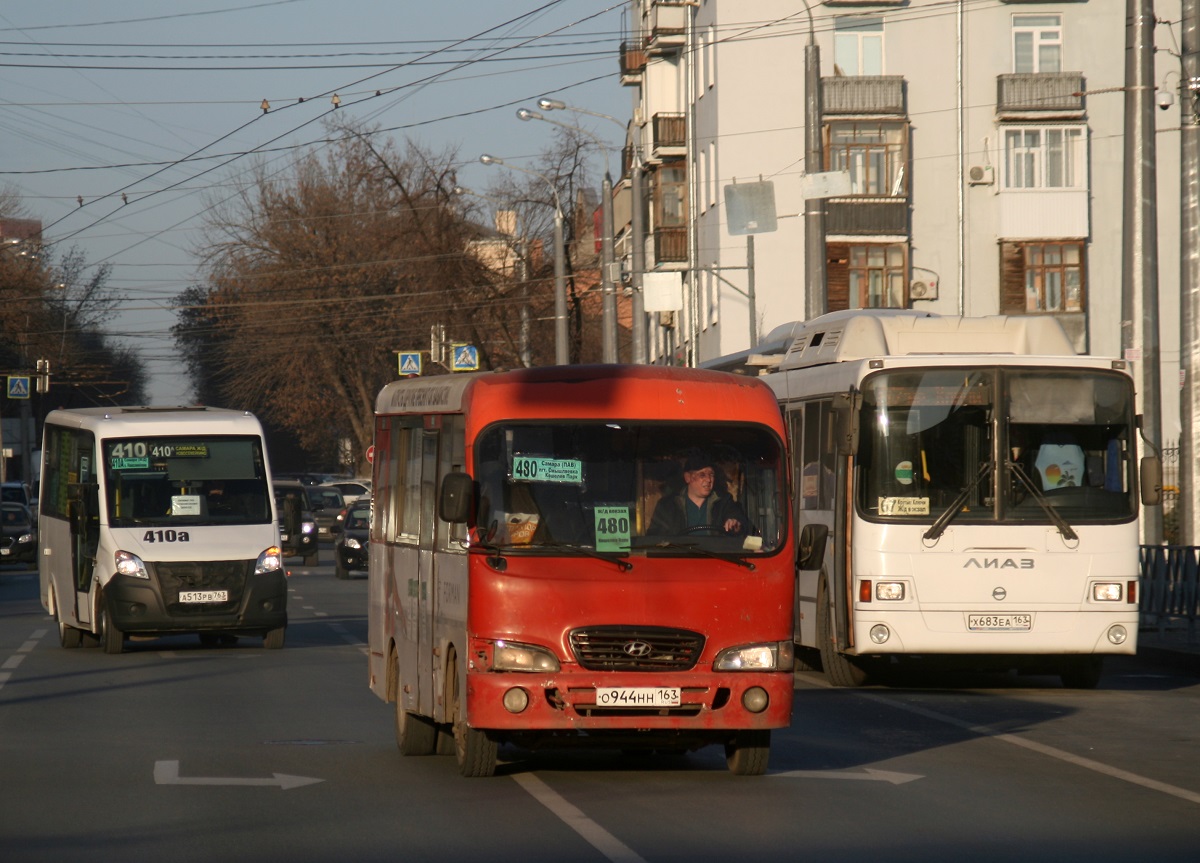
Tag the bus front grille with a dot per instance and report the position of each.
(175, 577)
(636, 648)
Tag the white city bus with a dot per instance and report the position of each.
(964, 487)
(157, 521)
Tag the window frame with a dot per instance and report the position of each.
(1044, 42)
(878, 147)
(859, 38)
(1030, 165)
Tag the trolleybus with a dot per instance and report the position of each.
(157, 521)
(964, 487)
(535, 577)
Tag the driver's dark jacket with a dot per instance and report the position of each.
(670, 516)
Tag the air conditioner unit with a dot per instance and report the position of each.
(923, 290)
(981, 175)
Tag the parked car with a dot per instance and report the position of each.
(325, 502)
(350, 552)
(297, 524)
(18, 544)
(19, 492)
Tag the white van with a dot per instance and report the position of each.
(157, 521)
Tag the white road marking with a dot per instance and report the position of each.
(167, 773)
(595, 835)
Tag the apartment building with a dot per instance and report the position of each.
(983, 142)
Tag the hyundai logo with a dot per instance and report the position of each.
(637, 649)
(999, 594)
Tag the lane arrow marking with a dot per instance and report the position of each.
(167, 773)
(868, 774)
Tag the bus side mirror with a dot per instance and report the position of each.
(810, 553)
(454, 505)
(846, 409)
(1151, 480)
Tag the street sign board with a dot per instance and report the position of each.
(464, 358)
(18, 386)
(410, 362)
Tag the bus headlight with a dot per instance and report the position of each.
(270, 560)
(507, 656)
(889, 590)
(1106, 591)
(775, 656)
(128, 563)
(351, 542)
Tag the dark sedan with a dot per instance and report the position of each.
(19, 541)
(350, 552)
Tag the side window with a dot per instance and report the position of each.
(408, 483)
(816, 458)
(68, 457)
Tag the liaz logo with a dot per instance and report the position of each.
(998, 563)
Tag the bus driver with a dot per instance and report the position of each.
(698, 507)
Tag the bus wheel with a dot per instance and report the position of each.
(474, 750)
(273, 640)
(747, 753)
(415, 735)
(840, 670)
(68, 636)
(1082, 672)
(112, 638)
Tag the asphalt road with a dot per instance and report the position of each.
(175, 751)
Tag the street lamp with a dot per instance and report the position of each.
(607, 282)
(637, 262)
(560, 270)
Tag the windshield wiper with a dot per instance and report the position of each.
(1059, 522)
(622, 565)
(943, 521)
(730, 556)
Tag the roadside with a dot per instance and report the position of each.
(1174, 643)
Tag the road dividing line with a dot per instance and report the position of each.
(1043, 749)
(595, 835)
(17, 658)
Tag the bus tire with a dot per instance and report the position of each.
(112, 638)
(1082, 672)
(415, 735)
(68, 636)
(840, 669)
(748, 752)
(274, 638)
(474, 749)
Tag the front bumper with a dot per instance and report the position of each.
(256, 603)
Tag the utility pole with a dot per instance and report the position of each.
(1189, 269)
(1139, 276)
(637, 259)
(816, 301)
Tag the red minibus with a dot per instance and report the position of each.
(581, 553)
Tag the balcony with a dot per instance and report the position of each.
(863, 94)
(867, 216)
(668, 21)
(670, 135)
(1040, 92)
(633, 62)
(670, 245)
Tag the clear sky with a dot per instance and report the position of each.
(161, 103)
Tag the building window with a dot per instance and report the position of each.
(1046, 157)
(873, 152)
(858, 45)
(878, 276)
(1037, 43)
(1042, 277)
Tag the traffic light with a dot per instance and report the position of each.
(43, 376)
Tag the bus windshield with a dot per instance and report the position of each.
(620, 487)
(192, 480)
(1025, 445)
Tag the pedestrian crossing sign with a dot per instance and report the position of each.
(410, 362)
(18, 386)
(464, 358)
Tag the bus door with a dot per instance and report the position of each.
(426, 546)
(845, 432)
(84, 521)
